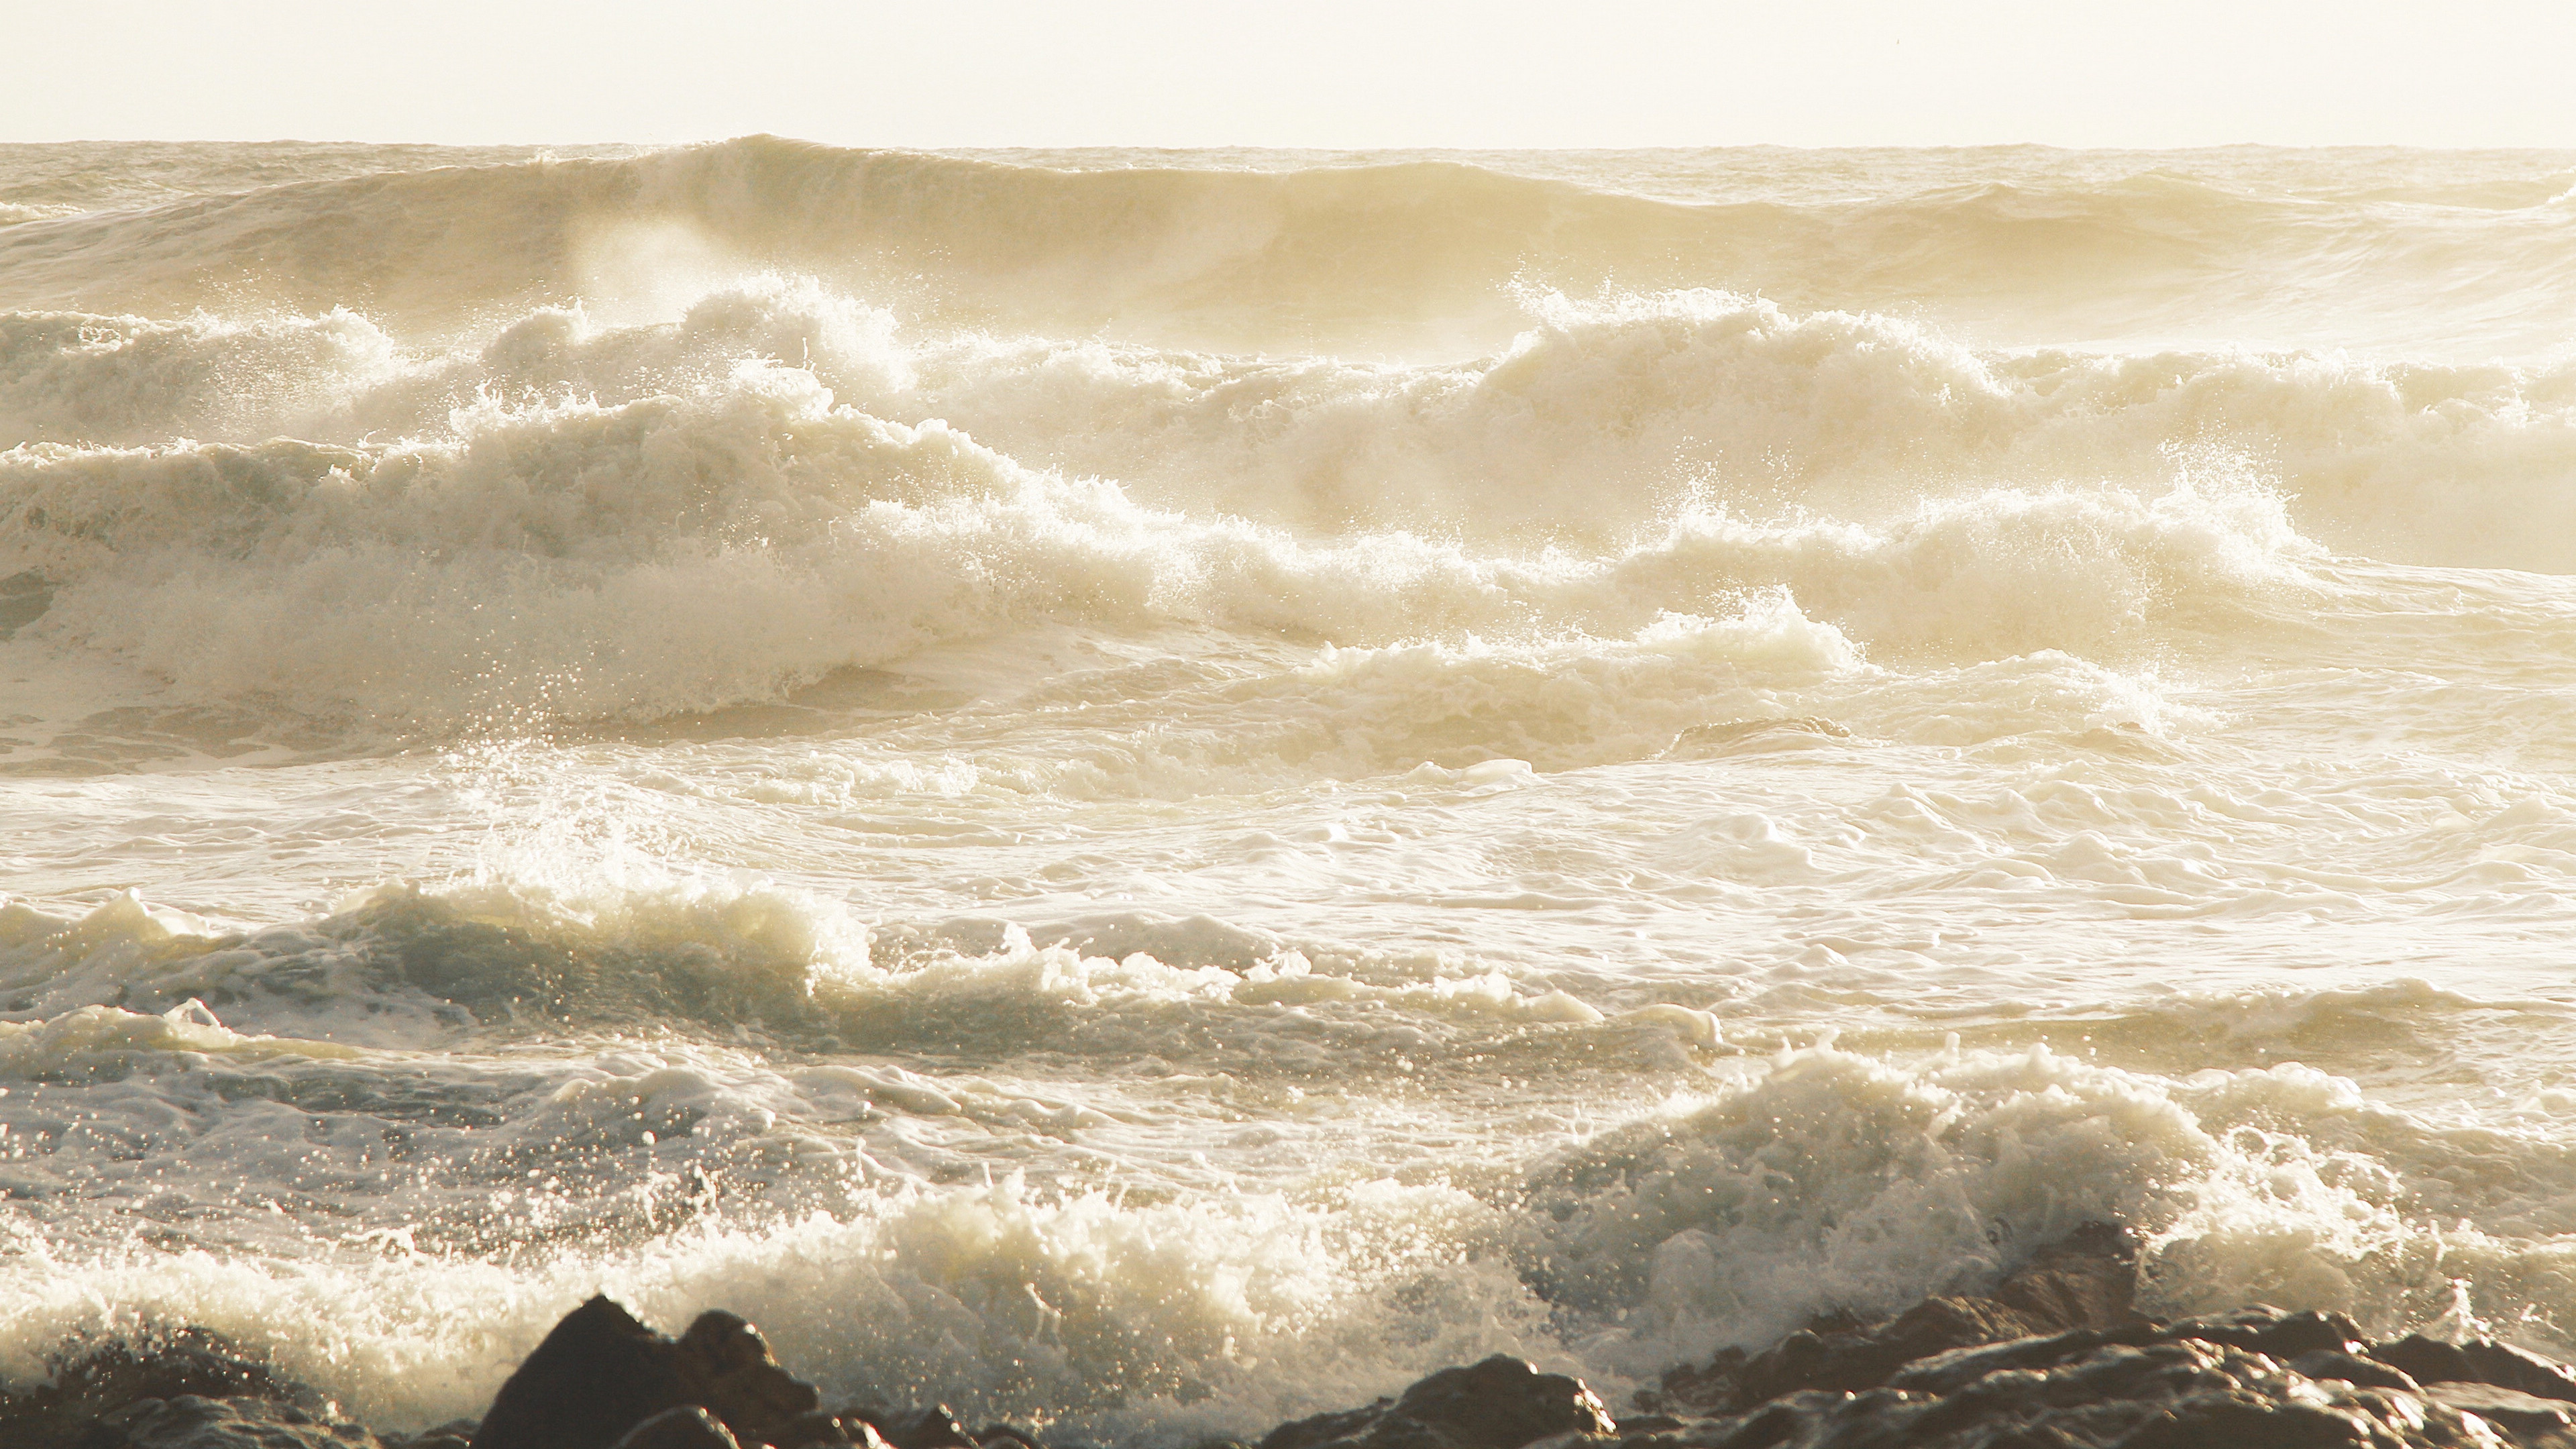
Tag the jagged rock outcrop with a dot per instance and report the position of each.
(2088, 1281)
(90, 1383)
(193, 1422)
(600, 1373)
(2526, 1419)
(2479, 1360)
(1501, 1403)
(2257, 1379)
(687, 1428)
(2056, 1357)
(2261, 1378)
(931, 1428)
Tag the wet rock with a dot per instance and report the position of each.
(2479, 1361)
(2248, 1423)
(1856, 1359)
(2054, 1357)
(2086, 1282)
(2525, 1416)
(2261, 1330)
(454, 1434)
(723, 1364)
(2268, 1330)
(1501, 1403)
(2368, 1373)
(600, 1373)
(2057, 1356)
(2179, 1394)
(689, 1428)
(818, 1430)
(931, 1428)
(90, 1382)
(190, 1421)
(1345, 1427)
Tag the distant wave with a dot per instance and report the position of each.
(778, 472)
(1409, 256)
(686, 551)
(1594, 421)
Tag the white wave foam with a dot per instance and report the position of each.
(1597, 422)
(689, 550)
(1826, 1180)
(1836, 1182)
(72, 377)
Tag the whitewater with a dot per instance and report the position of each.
(1155, 791)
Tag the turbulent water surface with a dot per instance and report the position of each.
(1161, 790)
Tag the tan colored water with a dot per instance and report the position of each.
(1168, 789)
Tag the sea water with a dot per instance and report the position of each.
(1161, 790)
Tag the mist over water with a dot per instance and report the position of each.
(1161, 790)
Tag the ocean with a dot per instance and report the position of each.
(1154, 790)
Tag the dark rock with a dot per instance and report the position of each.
(2512, 1410)
(2478, 1361)
(2365, 1373)
(818, 1430)
(2185, 1393)
(1947, 1373)
(1951, 1373)
(600, 1373)
(1339, 1427)
(1783, 1421)
(1501, 1403)
(2257, 1330)
(454, 1434)
(688, 1428)
(191, 1421)
(2268, 1330)
(2085, 1282)
(931, 1428)
(92, 1381)
(725, 1365)
(2247, 1424)
(1853, 1360)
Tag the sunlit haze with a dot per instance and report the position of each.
(1334, 73)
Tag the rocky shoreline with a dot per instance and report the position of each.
(2054, 1356)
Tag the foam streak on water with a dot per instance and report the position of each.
(1162, 791)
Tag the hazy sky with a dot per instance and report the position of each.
(1315, 73)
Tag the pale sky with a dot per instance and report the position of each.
(1330, 73)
